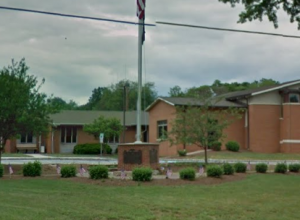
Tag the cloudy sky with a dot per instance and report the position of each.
(75, 56)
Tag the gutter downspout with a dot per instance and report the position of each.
(248, 125)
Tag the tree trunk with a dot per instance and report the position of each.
(0, 154)
(205, 155)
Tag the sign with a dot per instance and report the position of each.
(101, 137)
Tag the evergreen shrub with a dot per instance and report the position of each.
(228, 169)
(182, 153)
(68, 171)
(32, 169)
(187, 173)
(232, 146)
(294, 167)
(280, 168)
(92, 148)
(261, 168)
(98, 172)
(142, 174)
(240, 167)
(214, 171)
(1, 170)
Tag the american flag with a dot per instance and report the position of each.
(123, 174)
(141, 9)
(10, 169)
(201, 170)
(82, 170)
(249, 166)
(169, 173)
(58, 169)
(141, 15)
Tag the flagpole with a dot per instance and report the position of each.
(139, 100)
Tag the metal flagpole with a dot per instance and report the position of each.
(139, 100)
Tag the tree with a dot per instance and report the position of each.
(257, 9)
(201, 124)
(23, 108)
(58, 104)
(176, 91)
(111, 127)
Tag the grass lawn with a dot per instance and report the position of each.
(14, 155)
(245, 155)
(265, 196)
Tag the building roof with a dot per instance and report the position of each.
(225, 100)
(79, 117)
(183, 101)
(232, 96)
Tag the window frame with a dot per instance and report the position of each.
(293, 94)
(162, 125)
(68, 135)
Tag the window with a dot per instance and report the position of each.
(162, 129)
(294, 97)
(68, 135)
(26, 138)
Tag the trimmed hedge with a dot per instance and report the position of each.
(68, 171)
(142, 174)
(182, 153)
(1, 170)
(228, 169)
(32, 169)
(280, 168)
(98, 172)
(214, 171)
(261, 168)
(232, 146)
(91, 148)
(294, 167)
(187, 173)
(216, 146)
(240, 167)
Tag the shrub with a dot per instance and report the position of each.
(216, 146)
(91, 149)
(32, 169)
(281, 168)
(294, 167)
(228, 169)
(1, 170)
(182, 153)
(232, 146)
(214, 171)
(187, 174)
(98, 172)
(240, 167)
(68, 171)
(261, 168)
(142, 174)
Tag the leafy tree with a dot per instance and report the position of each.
(201, 124)
(176, 91)
(23, 108)
(257, 9)
(111, 127)
(58, 104)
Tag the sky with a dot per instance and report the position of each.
(74, 56)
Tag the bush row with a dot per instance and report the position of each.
(91, 149)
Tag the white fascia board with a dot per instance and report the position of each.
(275, 88)
(290, 142)
(158, 99)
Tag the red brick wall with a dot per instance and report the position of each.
(264, 122)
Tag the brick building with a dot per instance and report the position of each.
(270, 124)
(67, 131)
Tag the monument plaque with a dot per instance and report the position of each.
(132, 157)
(153, 156)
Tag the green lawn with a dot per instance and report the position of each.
(15, 155)
(264, 197)
(245, 155)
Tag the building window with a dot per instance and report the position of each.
(26, 138)
(162, 129)
(68, 135)
(294, 97)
